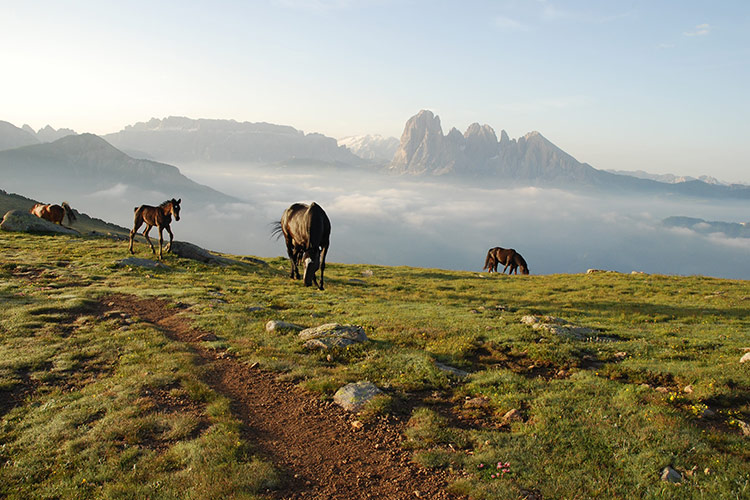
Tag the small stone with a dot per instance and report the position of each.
(669, 475)
(357, 425)
(208, 337)
(513, 415)
(282, 326)
(745, 358)
(744, 427)
(621, 355)
(661, 389)
(688, 389)
(367, 273)
(353, 397)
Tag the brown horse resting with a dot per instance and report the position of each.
(307, 232)
(161, 217)
(54, 213)
(507, 257)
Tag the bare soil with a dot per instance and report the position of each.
(313, 443)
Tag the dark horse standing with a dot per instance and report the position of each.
(307, 232)
(54, 213)
(160, 217)
(507, 257)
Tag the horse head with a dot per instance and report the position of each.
(312, 264)
(176, 208)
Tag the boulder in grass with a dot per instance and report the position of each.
(332, 335)
(25, 222)
(353, 397)
(669, 475)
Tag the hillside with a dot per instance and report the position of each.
(117, 380)
(84, 164)
(84, 223)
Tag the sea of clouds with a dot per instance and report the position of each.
(438, 223)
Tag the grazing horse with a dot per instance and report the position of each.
(160, 217)
(54, 213)
(506, 256)
(307, 232)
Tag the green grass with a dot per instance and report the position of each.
(92, 420)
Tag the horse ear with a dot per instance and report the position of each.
(179, 201)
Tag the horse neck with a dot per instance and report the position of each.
(166, 210)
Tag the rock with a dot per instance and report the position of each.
(208, 337)
(367, 273)
(661, 389)
(332, 335)
(669, 475)
(558, 326)
(513, 415)
(744, 427)
(451, 370)
(352, 397)
(621, 355)
(688, 389)
(327, 343)
(145, 263)
(745, 358)
(282, 326)
(24, 222)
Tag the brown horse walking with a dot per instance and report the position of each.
(507, 257)
(307, 232)
(54, 213)
(161, 217)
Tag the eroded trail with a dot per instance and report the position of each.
(313, 443)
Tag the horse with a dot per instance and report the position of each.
(161, 217)
(54, 213)
(307, 233)
(506, 256)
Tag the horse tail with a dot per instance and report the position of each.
(277, 230)
(488, 260)
(69, 212)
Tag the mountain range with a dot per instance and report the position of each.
(530, 160)
(178, 139)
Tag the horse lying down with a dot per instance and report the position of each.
(507, 257)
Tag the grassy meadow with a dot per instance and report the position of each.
(105, 406)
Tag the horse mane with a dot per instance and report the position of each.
(165, 203)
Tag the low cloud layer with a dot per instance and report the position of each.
(388, 220)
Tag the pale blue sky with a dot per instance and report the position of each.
(654, 85)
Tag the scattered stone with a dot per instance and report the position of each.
(357, 425)
(708, 413)
(621, 355)
(144, 263)
(367, 273)
(688, 389)
(352, 397)
(477, 402)
(332, 335)
(745, 358)
(637, 272)
(208, 337)
(25, 222)
(513, 415)
(744, 427)
(669, 475)
(255, 309)
(661, 389)
(282, 326)
(561, 327)
(451, 370)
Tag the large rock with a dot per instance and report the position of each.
(20, 221)
(189, 251)
(352, 397)
(332, 335)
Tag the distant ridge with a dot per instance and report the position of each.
(478, 154)
(86, 163)
(180, 139)
(13, 137)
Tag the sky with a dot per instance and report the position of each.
(660, 86)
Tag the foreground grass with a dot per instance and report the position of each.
(115, 409)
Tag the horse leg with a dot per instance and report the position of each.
(133, 232)
(291, 251)
(171, 238)
(145, 234)
(161, 240)
(322, 265)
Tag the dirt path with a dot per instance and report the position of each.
(313, 443)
